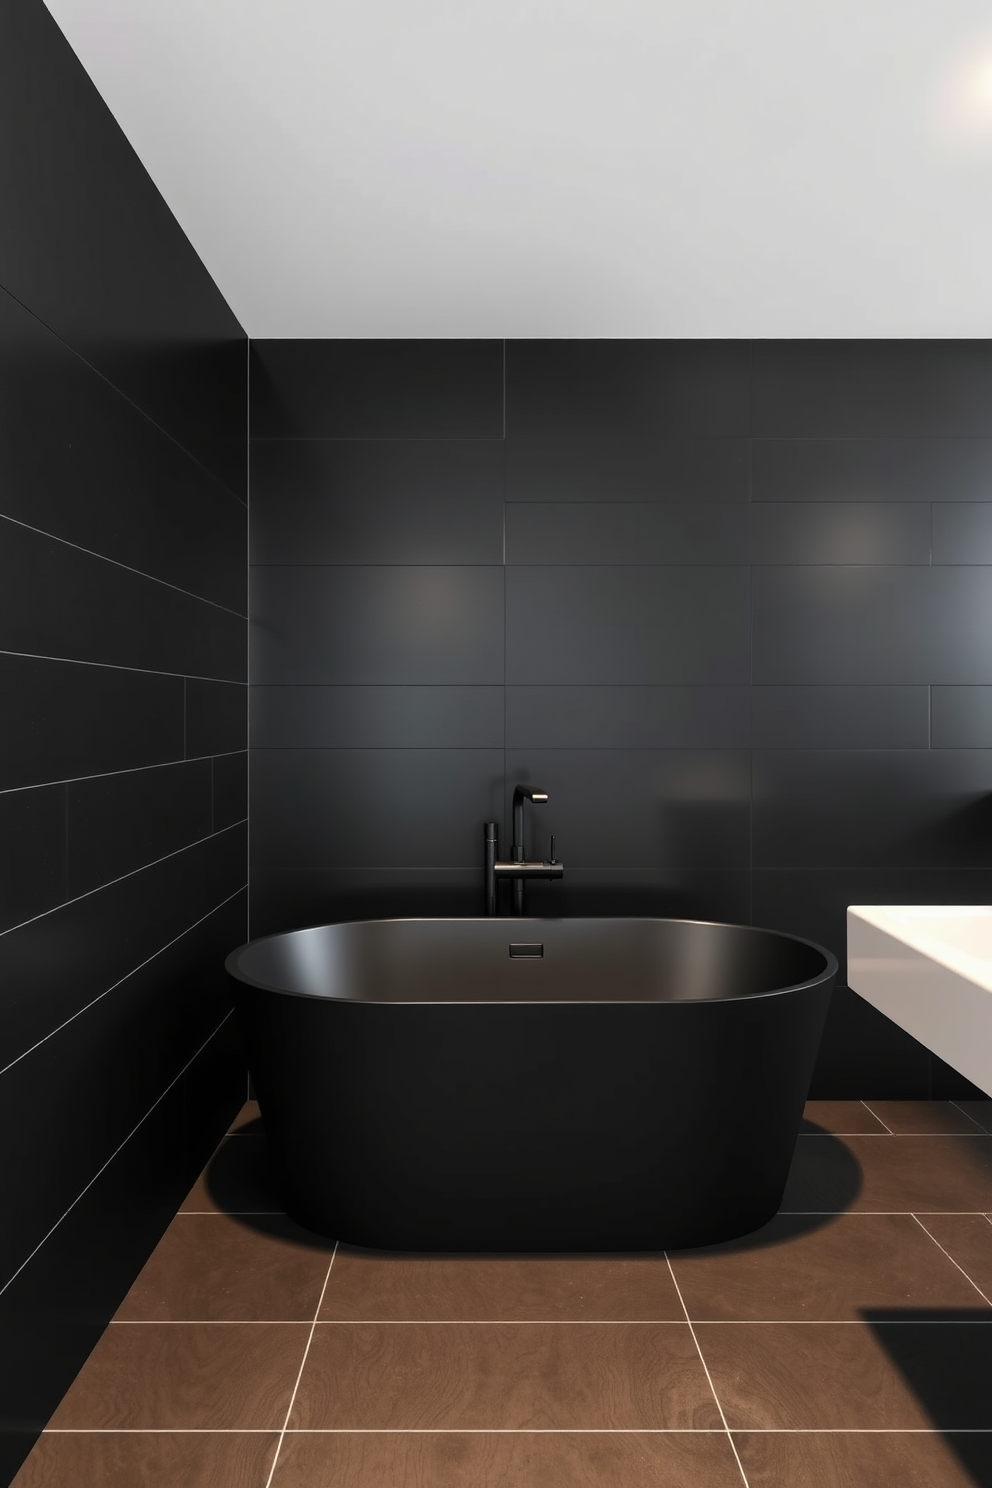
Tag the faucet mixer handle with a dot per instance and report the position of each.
(552, 847)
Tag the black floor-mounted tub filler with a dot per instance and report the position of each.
(532, 1085)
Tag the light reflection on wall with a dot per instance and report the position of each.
(965, 105)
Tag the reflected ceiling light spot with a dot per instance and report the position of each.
(965, 113)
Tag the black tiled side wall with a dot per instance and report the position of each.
(123, 659)
(727, 602)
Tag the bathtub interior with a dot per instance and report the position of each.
(531, 960)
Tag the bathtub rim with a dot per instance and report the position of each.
(826, 977)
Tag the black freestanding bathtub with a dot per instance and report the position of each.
(532, 1085)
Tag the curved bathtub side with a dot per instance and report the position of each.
(532, 1127)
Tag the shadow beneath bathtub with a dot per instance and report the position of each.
(824, 1181)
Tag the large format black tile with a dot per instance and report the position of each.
(377, 501)
(871, 470)
(117, 823)
(376, 389)
(81, 462)
(627, 625)
(377, 717)
(377, 625)
(625, 532)
(288, 898)
(63, 719)
(556, 388)
(711, 471)
(32, 853)
(961, 717)
(840, 532)
(962, 533)
(873, 808)
(53, 966)
(668, 891)
(230, 789)
(872, 625)
(841, 717)
(133, 1042)
(863, 1053)
(628, 717)
(216, 717)
(56, 1309)
(98, 256)
(58, 601)
(642, 810)
(872, 388)
(373, 808)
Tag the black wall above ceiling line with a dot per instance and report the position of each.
(729, 603)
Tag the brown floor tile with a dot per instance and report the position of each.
(843, 1118)
(921, 1118)
(909, 1174)
(894, 1376)
(197, 1376)
(872, 1460)
(149, 1459)
(376, 1286)
(248, 1119)
(433, 1376)
(210, 1268)
(968, 1238)
(978, 1110)
(824, 1273)
(511, 1460)
(238, 1179)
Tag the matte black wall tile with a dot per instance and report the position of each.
(841, 717)
(962, 533)
(840, 532)
(103, 936)
(871, 470)
(32, 853)
(878, 808)
(635, 532)
(872, 625)
(56, 1309)
(230, 789)
(625, 625)
(864, 1055)
(872, 388)
(62, 719)
(377, 501)
(377, 717)
(637, 811)
(627, 469)
(377, 389)
(288, 898)
(961, 717)
(628, 717)
(98, 256)
(216, 717)
(60, 602)
(135, 1040)
(81, 462)
(716, 894)
(373, 808)
(556, 388)
(118, 823)
(377, 625)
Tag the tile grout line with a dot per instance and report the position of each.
(706, 1371)
(165, 764)
(877, 1118)
(514, 1431)
(120, 666)
(951, 1259)
(969, 1116)
(303, 1361)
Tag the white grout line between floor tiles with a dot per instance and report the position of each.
(547, 1322)
(303, 1362)
(877, 1118)
(709, 1378)
(951, 1259)
(514, 1431)
(971, 1118)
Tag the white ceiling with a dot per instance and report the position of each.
(567, 167)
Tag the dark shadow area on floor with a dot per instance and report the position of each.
(946, 1359)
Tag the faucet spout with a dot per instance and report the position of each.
(517, 869)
